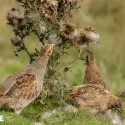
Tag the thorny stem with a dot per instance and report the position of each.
(26, 50)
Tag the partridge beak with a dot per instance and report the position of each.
(52, 45)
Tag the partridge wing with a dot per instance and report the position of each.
(25, 87)
(85, 91)
(8, 83)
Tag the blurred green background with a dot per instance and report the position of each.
(106, 16)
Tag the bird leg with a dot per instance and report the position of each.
(18, 111)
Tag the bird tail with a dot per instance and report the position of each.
(3, 101)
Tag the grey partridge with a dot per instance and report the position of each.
(94, 99)
(92, 73)
(20, 89)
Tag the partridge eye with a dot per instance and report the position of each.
(116, 105)
(92, 58)
(49, 52)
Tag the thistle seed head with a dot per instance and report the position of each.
(16, 40)
(89, 35)
(49, 8)
(68, 30)
(15, 16)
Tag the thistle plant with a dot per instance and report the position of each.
(50, 21)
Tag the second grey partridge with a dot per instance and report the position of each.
(93, 98)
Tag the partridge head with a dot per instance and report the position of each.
(90, 58)
(115, 102)
(47, 49)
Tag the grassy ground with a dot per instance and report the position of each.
(109, 53)
(34, 114)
